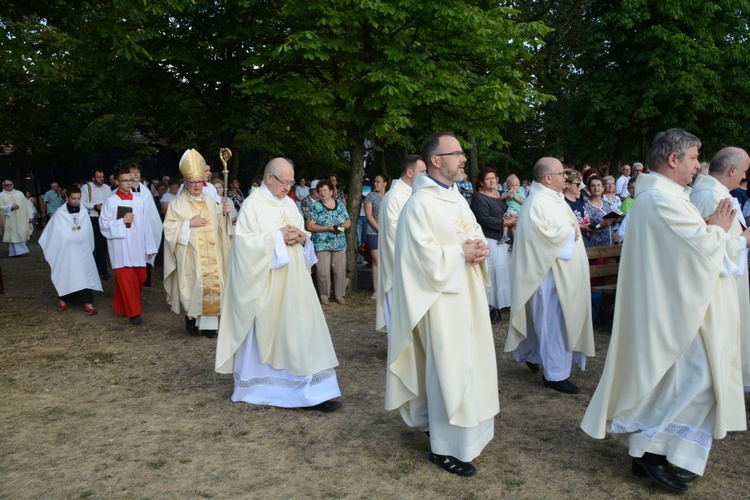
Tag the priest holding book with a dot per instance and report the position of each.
(130, 242)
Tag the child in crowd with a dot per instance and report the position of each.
(514, 197)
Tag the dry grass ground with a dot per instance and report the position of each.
(93, 408)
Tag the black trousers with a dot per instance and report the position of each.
(100, 248)
(81, 297)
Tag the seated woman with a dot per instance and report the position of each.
(490, 212)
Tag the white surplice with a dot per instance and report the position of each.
(127, 246)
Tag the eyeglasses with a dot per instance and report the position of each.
(556, 173)
(194, 183)
(285, 183)
(7, 184)
(454, 153)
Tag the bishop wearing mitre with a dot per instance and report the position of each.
(196, 250)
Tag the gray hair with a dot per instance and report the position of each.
(726, 159)
(273, 167)
(674, 140)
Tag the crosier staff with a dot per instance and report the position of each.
(225, 154)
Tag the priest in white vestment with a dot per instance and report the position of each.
(672, 380)
(550, 309)
(390, 209)
(68, 245)
(727, 169)
(130, 242)
(17, 219)
(196, 251)
(442, 372)
(273, 335)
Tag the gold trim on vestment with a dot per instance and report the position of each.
(210, 272)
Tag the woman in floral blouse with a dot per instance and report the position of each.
(327, 220)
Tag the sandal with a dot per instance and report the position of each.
(453, 465)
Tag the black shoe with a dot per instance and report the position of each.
(190, 327)
(136, 320)
(661, 473)
(565, 386)
(684, 475)
(453, 465)
(211, 334)
(329, 405)
(532, 366)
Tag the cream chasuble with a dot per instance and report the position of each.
(195, 259)
(290, 328)
(16, 227)
(670, 290)
(390, 209)
(68, 242)
(432, 281)
(543, 230)
(706, 195)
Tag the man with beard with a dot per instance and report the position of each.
(441, 371)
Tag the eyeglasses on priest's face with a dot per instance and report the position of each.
(194, 183)
(285, 183)
(453, 153)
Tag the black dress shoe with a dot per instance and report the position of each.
(661, 473)
(211, 334)
(329, 405)
(532, 366)
(565, 386)
(136, 320)
(190, 326)
(685, 475)
(453, 465)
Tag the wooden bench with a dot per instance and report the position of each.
(603, 308)
(608, 270)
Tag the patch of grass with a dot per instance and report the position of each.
(157, 464)
(100, 357)
(514, 482)
(86, 494)
(186, 460)
(55, 357)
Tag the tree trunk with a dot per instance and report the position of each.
(473, 160)
(354, 186)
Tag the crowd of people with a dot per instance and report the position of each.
(443, 250)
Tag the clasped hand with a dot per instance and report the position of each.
(475, 251)
(724, 215)
(293, 235)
